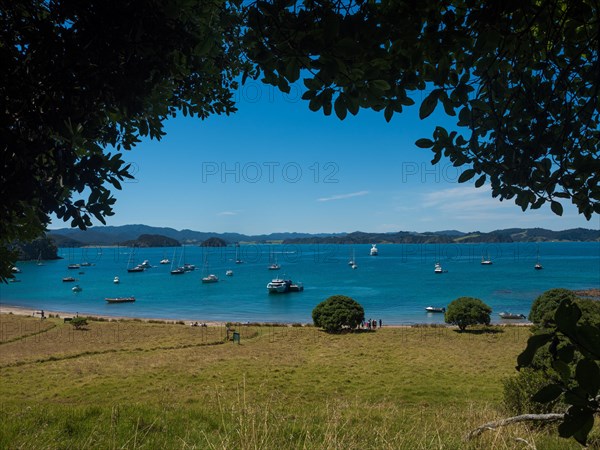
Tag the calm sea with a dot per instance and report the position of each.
(395, 286)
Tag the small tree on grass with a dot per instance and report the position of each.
(465, 311)
(338, 312)
(79, 322)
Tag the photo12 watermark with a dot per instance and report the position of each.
(253, 172)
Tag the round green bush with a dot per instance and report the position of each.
(465, 311)
(543, 308)
(338, 312)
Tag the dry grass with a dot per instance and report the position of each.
(133, 384)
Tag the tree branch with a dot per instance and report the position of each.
(548, 418)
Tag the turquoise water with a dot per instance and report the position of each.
(395, 286)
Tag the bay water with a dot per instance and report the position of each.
(394, 286)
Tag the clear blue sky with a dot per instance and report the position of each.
(276, 166)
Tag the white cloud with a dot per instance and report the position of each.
(342, 196)
(227, 213)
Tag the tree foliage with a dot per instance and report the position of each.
(574, 346)
(79, 323)
(543, 307)
(337, 313)
(83, 81)
(520, 77)
(465, 311)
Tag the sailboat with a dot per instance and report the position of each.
(178, 270)
(486, 261)
(538, 266)
(237, 254)
(209, 277)
(352, 262)
(39, 261)
(274, 265)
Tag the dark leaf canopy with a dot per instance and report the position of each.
(521, 78)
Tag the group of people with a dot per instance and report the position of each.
(370, 324)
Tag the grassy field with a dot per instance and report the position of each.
(132, 384)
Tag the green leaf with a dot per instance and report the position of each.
(480, 181)
(566, 317)
(562, 368)
(587, 375)
(381, 84)
(424, 143)
(588, 340)
(340, 107)
(548, 393)
(466, 175)
(578, 422)
(533, 344)
(429, 104)
(388, 113)
(556, 208)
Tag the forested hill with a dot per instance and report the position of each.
(449, 237)
(123, 234)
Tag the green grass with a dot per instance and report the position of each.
(150, 385)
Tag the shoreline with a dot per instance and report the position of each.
(23, 311)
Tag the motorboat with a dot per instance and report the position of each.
(281, 286)
(274, 266)
(508, 315)
(165, 261)
(116, 280)
(435, 309)
(86, 264)
(15, 269)
(68, 279)
(145, 264)
(438, 268)
(178, 271)
(120, 299)
(74, 266)
(77, 288)
(278, 285)
(374, 250)
(486, 261)
(229, 273)
(212, 278)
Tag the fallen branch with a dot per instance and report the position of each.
(554, 417)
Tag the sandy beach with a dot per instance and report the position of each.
(17, 310)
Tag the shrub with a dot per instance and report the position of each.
(543, 307)
(79, 322)
(338, 312)
(519, 389)
(465, 311)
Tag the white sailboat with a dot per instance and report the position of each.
(209, 277)
(538, 265)
(238, 260)
(273, 265)
(352, 262)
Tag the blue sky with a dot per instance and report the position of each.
(276, 166)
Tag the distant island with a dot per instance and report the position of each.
(42, 249)
(151, 240)
(214, 242)
(169, 237)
